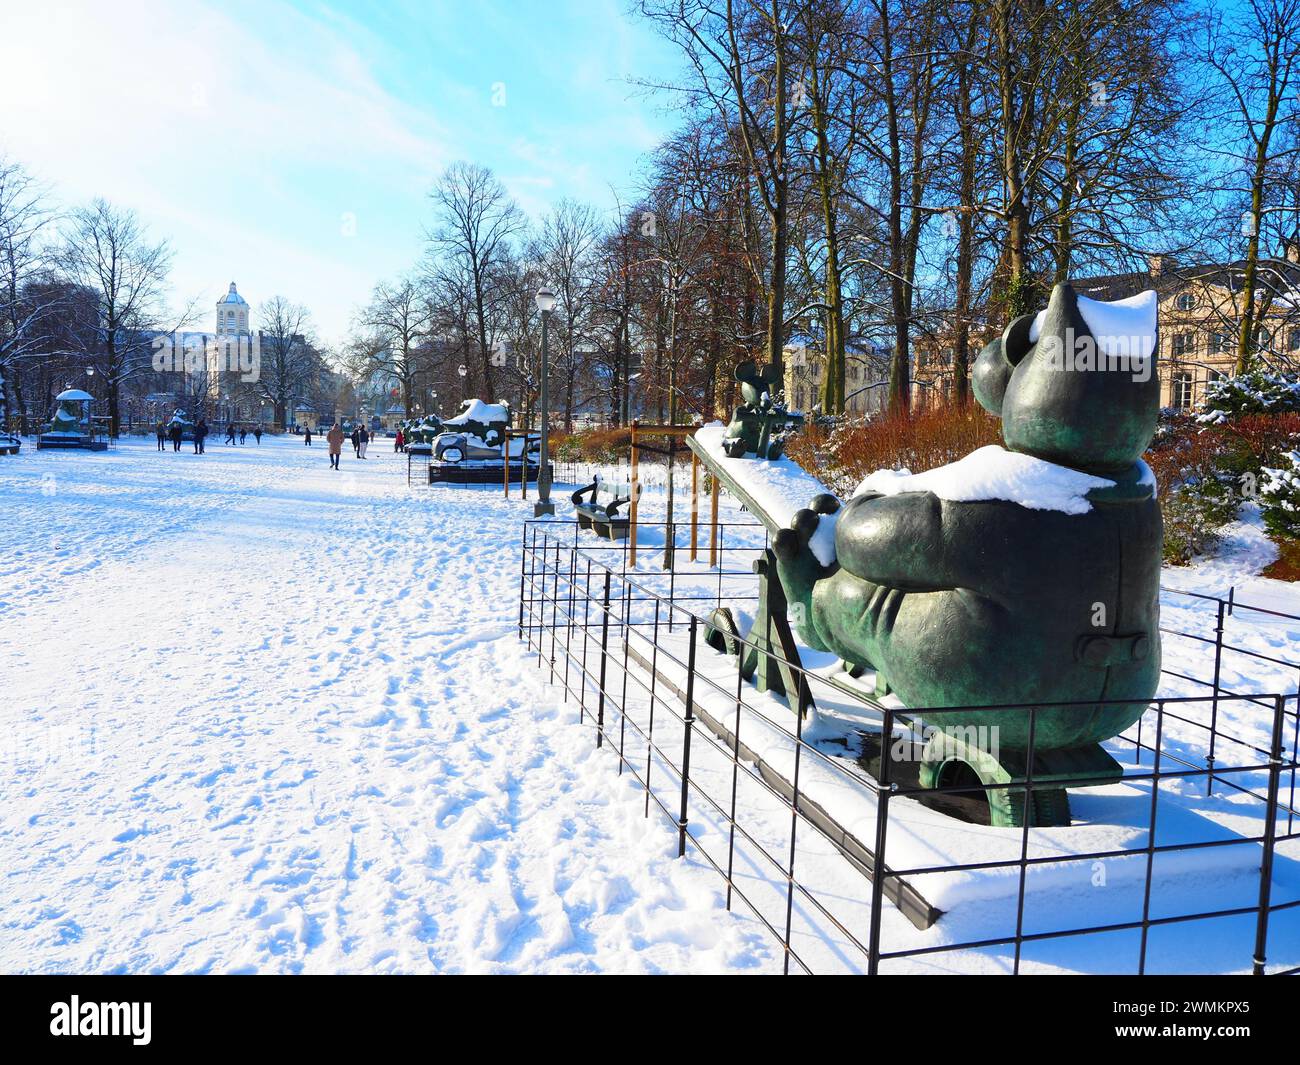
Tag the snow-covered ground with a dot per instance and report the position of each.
(261, 716)
(258, 715)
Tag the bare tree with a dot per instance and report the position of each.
(1257, 60)
(108, 252)
(568, 237)
(289, 362)
(740, 53)
(390, 334)
(27, 301)
(476, 219)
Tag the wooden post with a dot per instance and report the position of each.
(695, 506)
(505, 464)
(636, 492)
(713, 523)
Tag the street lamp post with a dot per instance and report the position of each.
(545, 303)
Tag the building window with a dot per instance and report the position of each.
(1293, 340)
(1220, 343)
(1185, 301)
(1183, 345)
(1181, 394)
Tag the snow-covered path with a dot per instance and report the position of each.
(256, 715)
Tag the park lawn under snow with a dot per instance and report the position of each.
(261, 716)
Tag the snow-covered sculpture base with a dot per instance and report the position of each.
(473, 448)
(71, 426)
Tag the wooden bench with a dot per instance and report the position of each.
(601, 518)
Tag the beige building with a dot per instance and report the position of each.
(1199, 321)
(866, 374)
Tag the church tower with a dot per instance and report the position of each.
(232, 314)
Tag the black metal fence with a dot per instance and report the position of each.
(793, 809)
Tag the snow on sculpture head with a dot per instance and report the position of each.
(1075, 384)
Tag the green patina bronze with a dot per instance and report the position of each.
(759, 424)
(989, 603)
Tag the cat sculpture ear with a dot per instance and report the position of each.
(998, 361)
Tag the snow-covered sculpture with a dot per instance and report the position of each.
(759, 424)
(70, 417)
(182, 419)
(421, 430)
(477, 432)
(1020, 575)
(472, 447)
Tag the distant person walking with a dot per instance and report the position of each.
(356, 442)
(162, 437)
(243, 436)
(200, 435)
(397, 441)
(230, 432)
(307, 436)
(335, 440)
(257, 435)
(175, 433)
(364, 439)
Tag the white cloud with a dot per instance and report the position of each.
(181, 111)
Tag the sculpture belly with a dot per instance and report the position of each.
(1019, 639)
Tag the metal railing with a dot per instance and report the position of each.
(794, 823)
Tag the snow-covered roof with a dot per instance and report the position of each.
(232, 297)
(72, 394)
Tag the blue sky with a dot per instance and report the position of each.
(291, 146)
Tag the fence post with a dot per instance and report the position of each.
(689, 721)
(1214, 698)
(878, 858)
(1270, 834)
(695, 507)
(714, 488)
(568, 635)
(635, 492)
(650, 725)
(622, 706)
(523, 559)
(604, 647)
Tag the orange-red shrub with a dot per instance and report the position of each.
(916, 441)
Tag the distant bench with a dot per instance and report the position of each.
(601, 518)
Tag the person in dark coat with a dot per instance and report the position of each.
(363, 438)
(230, 432)
(176, 434)
(200, 434)
(356, 442)
(307, 436)
(162, 436)
(243, 435)
(257, 434)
